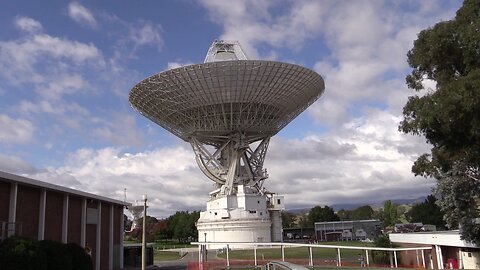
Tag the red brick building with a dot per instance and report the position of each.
(44, 211)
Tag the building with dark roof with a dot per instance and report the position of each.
(45, 211)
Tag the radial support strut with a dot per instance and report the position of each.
(233, 163)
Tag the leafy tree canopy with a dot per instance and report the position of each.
(390, 213)
(288, 219)
(321, 214)
(360, 213)
(449, 115)
(427, 212)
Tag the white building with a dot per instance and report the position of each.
(448, 250)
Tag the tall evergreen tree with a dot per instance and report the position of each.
(390, 214)
(449, 116)
(427, 212)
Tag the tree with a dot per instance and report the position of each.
(359, 213)
(344, 214)
(448, 116)
(382, 257)
(150, 224)
(427, 212)
(181, 226)
(303, 222)
(390, 215)
(362, 213)
(321, 214)
(288, 219)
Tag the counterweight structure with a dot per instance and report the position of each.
(228, 108)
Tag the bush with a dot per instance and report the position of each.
(383, 257)
(22, 253)
(58, 257)
(80, 259)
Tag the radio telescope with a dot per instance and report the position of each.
(137, 213)
(228, 108)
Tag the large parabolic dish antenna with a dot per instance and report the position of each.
(228, 108)
(228, 103)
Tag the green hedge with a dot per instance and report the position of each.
(25, 253)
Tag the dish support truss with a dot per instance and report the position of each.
(233, 163)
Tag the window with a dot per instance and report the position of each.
(279, 201)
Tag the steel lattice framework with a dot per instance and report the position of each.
(228, 104)
(210, 101)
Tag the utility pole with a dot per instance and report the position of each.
(144, 241)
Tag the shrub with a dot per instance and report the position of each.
(22, 253)
(80, 259)
(383, 257)
(58, 257)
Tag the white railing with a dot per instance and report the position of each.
(393, 259)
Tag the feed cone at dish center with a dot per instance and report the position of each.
(228, 108)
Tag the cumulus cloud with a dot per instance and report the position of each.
(360, 157)
(252, 23)
(172, 65)
(81, 15)
(15, 130)
(120, 129)
(367, 43)
(63, 85)
(366, 160)
(19, 59)
(146, 33)
(168, 176)
(28, 24)
(16, 165)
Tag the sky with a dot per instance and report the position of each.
(66, 69)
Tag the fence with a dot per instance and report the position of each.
(310, 261)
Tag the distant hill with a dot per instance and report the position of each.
(298, 211)
(351, 206)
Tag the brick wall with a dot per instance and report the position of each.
(53, 216)
(4, 200)
(28, 199)
(74, 219)
(105, 235)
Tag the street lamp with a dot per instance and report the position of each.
(144, 242)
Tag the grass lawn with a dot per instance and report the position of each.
(166, 256)
(163, 244)
(299, 252)
(169, 245)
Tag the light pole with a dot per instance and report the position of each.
(205, 251)
(144, 242)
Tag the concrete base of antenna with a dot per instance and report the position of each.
(241, 217)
